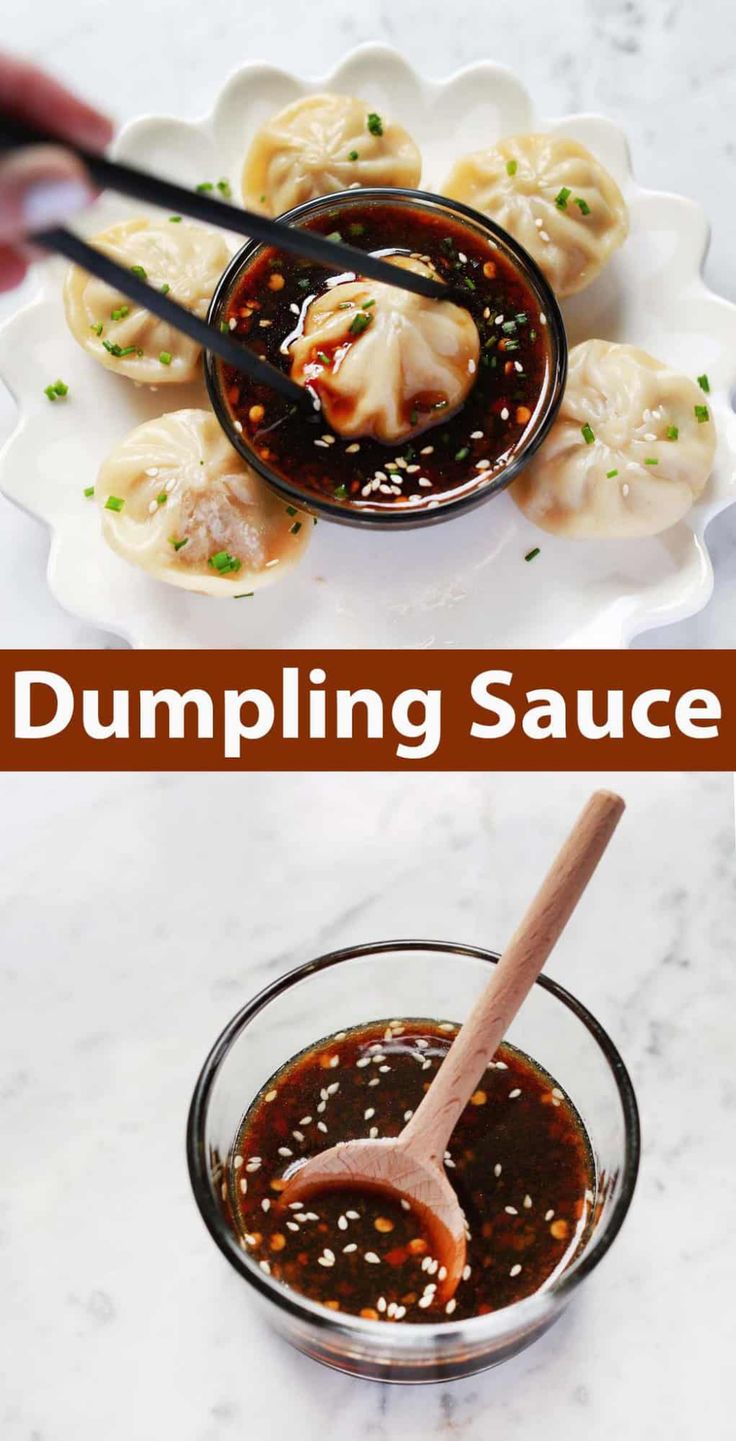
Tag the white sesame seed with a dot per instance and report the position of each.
(265, 1267)
(505, 413)
(482, 464)
(352, 449)
(323, 1261)
(232, 323)
(372, 1258)
(511, 1210)
(312, 1216)
(298, 1136)
(501, 1066)
(543, 235)
(412, 469)
(284, 1151)
(264, 324)
(467, 1271)
(306, 1121)
(376, 1081)
(370, 1112)
(404, 1205)
(322, 1127)
(322, 444)
(169, 486)
(498, 320)
(270, 1095)
(353, 1215)
(424, 482)
(450, 1307)
(462, 258)
(548, 1215)
(408, 1115)
(243, 1185)
(425, 1301)
(253, 1164)
(399, 1313)
(513, 1094)
(542, 318)
(333, 1088)
(238, 425)
(237, 1163)
(442, 1273)
(321, 1108)
(472, 367)
(265, 1204)
(476, 435)
(152, 470)
(515, 1270)
(342, 1223)
(373, 1133)
(428, 450)
(518, 367)
(527, 1203)
(152, 507)
(328, 439)
(294, 308)
(346, 1250)
(497, 1169)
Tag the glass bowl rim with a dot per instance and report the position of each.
(300, 1307)
(401, 518)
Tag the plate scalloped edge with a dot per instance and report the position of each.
(684, 586)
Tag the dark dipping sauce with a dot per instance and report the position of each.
(519, 1159)
(449, 459)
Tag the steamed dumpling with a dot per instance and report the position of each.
(321, 144)
(178, 501)
(386, 363)
(552, 196)
(189, 259)
(630, 451)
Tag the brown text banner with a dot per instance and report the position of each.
(367, 710)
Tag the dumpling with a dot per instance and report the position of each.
(321, 144)
(186, 259)
(630, 451)
(177, 500)
(554, 197)
(384, 362)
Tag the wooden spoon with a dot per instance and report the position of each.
(410, 1166)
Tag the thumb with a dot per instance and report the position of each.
(40, 187)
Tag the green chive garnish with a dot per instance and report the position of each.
(97, 328)
(511, 167)
(165, 357)
(463, 453)
(610, 474)
(701, 414)
(244, 595)
(323, 357)
(356, 229)
(114, 502)
(89, 490)
(532, 554)
(704, 383)
(120, 313)
(367, 304)
(295, 528)
(179, 544)
(119, 351)
(204, 187)
(651, 460)
(291, 510)
(335, 235)
(162, 498)
(56, 391)
(224, 563)
(582, 205)
(340, 492)
(353, 155)
(375, 123)
(175, 219)
(469, 282)
(139, 271)
(360, 323)
(165, 288)
(562, 197)
(224, 188)
(587, 434)
(224, 327)
(672, 432)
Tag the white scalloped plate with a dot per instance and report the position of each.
(461, 584)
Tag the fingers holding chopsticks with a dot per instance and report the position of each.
(43, 185)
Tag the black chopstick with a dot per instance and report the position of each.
(234, 352)
(154, 190)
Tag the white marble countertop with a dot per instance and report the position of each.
(664, 71)
(138, 913)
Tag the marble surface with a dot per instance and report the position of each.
(663, 70)
(138, 913)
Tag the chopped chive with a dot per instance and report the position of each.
(511, 167)
(353, 155)
(120, 313)
(335, 235)
(532, 554)
(224, 327)
(263, 199)
(89, 490)
(224, 188)
(463, 453)
(375, 123)
(179, 544)
(114, 502)
(582, 205)
(165, 288)
(367, 304)
(587, 434)
(97, 328)
(340, 492)
(701, 414)
(162, 498)
(204, 187)
(224, 563)
(323, 357)
(175, 219)
(672, 432)
(521, 318)
(704, 383)
(304, 284)
(244, 595)
(414, 417)
(562, 197)
(469, 282)
(295, 528)
(165, 357)
(139, 271)
(291, 510)
(119, 351)
(360, 323)
(57, 390)
(509, 327)
(651, 460)
(610, 474)
(356, 229)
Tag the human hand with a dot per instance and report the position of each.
(43, 185)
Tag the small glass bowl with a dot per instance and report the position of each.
(411, 978)
(402, 517)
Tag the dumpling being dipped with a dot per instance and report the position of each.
(554, 197)
(182, 259)
(630, 451)
(386, 363)
(177, 500)
(321, 144)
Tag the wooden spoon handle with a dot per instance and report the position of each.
(430, 1128)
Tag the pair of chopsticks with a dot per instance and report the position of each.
(154, 190)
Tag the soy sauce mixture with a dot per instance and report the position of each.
(519, 1159)
(268, 305)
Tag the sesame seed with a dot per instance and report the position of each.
(243, 1185)
(497, 1169)
(284, 1151)
(352, 450)
(467, 1270)
(511, 1210)
(322, 1127)
(342, 1223)
(543, 235)
(476, 435)
(450, 1307)
(346, 1250)
(505, 413)
(152, 470)
(322, 444)
(425, 1301)
(548, 1215)
(498, 320)
(428, 450)
(238, 425)
(513, 1094)
(265, 1267)
(527, 1203)
(381, 1303)
(482, 464)
(442, 1273)
(265, 1204)
(367, 1114)
(270, 1095)
(237, 1163)
(408, 1115)
(373, 1133)
(515, 1270)
(291, 1226)
(298, 1136)
(306, 1121)
(372, 1258)
(253, 1164)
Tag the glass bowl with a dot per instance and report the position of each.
(411, 978)
(402, 517)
